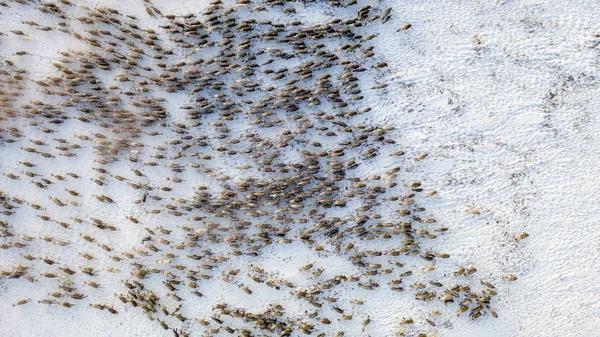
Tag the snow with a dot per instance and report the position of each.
(501, 96)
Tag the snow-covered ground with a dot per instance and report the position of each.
(501, 95)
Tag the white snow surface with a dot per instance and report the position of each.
(502, 96)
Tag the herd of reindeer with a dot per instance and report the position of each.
(178, 157)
